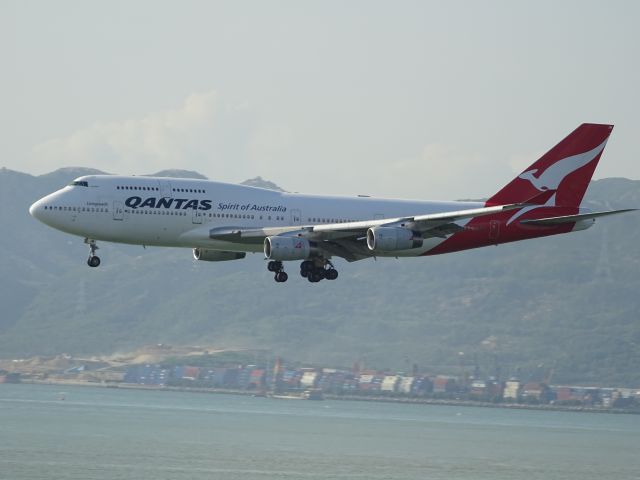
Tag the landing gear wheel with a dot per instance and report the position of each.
(306, 267)
(315, 275)
(331, 274)
(93, 261)
(274, 266)
(281, 277)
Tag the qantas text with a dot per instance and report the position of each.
(175, 203)
(186, 204)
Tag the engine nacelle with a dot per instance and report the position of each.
(207, 255)
(391, 239)
(286, 248)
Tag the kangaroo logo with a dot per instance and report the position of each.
(552, 177)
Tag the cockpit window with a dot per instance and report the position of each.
(79, 183)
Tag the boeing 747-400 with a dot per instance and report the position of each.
(221, 221)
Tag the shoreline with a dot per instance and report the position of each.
(353, 398)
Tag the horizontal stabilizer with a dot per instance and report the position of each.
(573, 218)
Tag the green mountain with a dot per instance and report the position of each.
(568, 303)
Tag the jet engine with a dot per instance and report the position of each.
(286, 248)
(207, 255)
(390, 239)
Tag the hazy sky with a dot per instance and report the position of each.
(405, 99)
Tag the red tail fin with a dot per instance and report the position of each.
(566, 168)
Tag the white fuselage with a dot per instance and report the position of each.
(176, 212)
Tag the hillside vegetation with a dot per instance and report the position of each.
(569, 303)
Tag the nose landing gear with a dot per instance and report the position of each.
(93, 260)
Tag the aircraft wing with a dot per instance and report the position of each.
(347, 239)
(429, 225)
(421, 223)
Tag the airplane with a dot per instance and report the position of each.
(222, 221)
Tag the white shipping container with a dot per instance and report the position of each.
(366, 378)
(308, 379)
(405, 385)
(389, 383)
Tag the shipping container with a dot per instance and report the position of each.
(190, 373)
(405, 385)
(308, 379)
(444, 384)
(389, 383)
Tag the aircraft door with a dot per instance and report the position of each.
(165, 189)
(197, 216)
(296, 217)
(494, 229)
(118, 210)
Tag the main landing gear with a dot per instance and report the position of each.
(93, 260)
(313, 270)
(318, 269)
(276, 267)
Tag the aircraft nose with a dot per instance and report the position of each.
(35, 210)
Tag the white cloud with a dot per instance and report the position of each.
(201, 132)
(440, 172)
(232, 142)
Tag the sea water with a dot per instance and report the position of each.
(54, 432)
